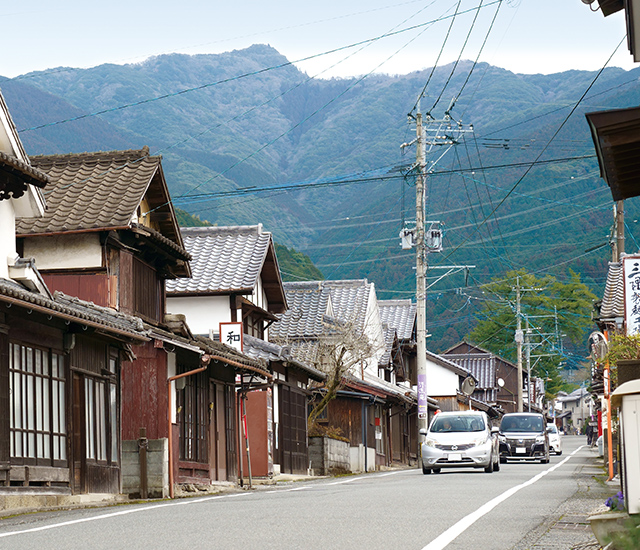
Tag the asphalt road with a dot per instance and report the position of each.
(457, 509)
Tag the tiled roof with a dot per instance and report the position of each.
(447, 364)
(613, 299)
(482, 367)
(389, 339)
(224, 259)
(227, 352)
(257, 348)
(74, 309)
(92, 190)
(308, 303)
(399, 314)
(305, 351)
(350, 300)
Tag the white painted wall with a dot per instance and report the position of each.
(441, 382)
(65, 251)
(203, 313)
(7, 237)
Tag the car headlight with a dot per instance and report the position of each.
(540, 439)
(430, 442)
(480, 440)
(502, 439)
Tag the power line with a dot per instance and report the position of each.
(245, 75)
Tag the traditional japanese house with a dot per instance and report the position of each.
(399, 316)
(320, 314)
(110, 236)
(60, 360)
(236, 283)
(497, 378)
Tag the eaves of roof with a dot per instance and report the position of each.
(615, 134)
(69, 308)
(233, 356)
(450, 365)
(27, 173)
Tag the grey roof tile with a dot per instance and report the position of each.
(613, 298)
(399, 314)
(389, 339)
(308, 304)
(219, 349)
(482, 367)
(257, 348)
(223, 258)
(91, 190)
(80, 311)
(350, 300)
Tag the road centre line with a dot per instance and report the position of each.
(458, 528)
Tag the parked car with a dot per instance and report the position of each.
(460, 439)
(555, 441)
(523, 436)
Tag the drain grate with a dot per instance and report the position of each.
(573, 523)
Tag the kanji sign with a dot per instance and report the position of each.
(231, 334)
(632, 293)
(422, 396)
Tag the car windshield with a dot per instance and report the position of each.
(525, 423)
(467, 423)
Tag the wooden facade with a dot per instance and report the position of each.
(60, 402)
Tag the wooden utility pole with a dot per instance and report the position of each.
(421, 298)
(519, 340)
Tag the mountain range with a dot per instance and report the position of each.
(247, 137)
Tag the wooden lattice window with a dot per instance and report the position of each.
(193, 403)
(37, 380)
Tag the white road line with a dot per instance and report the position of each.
(457, 529)
(140, 509)
(120, 513)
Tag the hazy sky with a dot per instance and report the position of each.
(529, 36)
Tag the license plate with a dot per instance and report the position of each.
(521, 450)
(454, 457)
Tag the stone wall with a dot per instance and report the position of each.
(157, 468)
(328, 456)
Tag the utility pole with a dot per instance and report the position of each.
(421, 295)
(519, 340)
(440, 132)
(618, 212)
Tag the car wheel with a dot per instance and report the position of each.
(496, 466)
(426, 471)
(436, 470)
(489, 469)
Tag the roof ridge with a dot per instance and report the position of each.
(224, 229)
(138, 154)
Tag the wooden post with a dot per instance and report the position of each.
(143, 443)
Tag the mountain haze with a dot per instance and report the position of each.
(245, 120)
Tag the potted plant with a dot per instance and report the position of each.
(607, 524)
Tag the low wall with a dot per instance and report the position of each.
(157, 468)
(328, 456)
(357, 459)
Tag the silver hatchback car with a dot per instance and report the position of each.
(460, 439)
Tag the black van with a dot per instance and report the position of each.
(523, 436)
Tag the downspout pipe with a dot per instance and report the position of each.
(206, 359)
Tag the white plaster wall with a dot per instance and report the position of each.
(203, 313)
(7, 237)
(373, 330)
(65, 251)
(440, 381)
